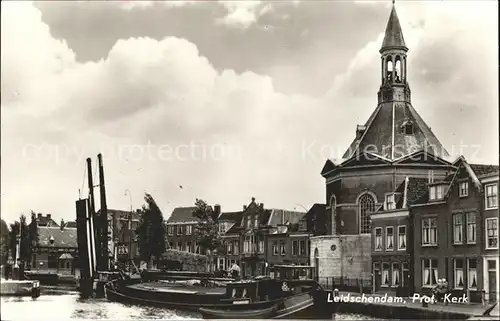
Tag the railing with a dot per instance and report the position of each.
(346, 284)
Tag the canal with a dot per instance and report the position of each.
(63, 304)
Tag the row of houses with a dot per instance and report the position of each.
(429, 229)
(255, 238)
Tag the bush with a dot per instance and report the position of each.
(190, 261)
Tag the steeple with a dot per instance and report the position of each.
(393, 33)
(394, 129)
(394, 85)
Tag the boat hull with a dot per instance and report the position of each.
(299, 306)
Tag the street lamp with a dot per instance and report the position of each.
(129, 193)
(303, 207)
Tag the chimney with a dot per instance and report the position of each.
(261, 205)
(39, 215)
(62, 224)
(49, 216)
(244, 207)
(217, 209)
(253, 199)
(360, 130)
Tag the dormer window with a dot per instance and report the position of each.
(463, 189)
(436, 192)
(407, 127)
(390, 202)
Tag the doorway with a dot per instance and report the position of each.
(492, 280)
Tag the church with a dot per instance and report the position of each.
(394, 143)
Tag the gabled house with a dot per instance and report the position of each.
(287, 239)
(451, 228)
(56, 250)
(181, 229)
(229, 227)
(392, 238)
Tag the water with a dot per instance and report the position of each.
(62, 304)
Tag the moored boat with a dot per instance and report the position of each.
(292, 293)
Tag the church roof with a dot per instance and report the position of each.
(393, 34)
(385, 134)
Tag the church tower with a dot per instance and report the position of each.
(394, 82)
(395, 129)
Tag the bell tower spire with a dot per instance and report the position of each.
(393, 64)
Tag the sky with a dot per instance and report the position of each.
(223, 101)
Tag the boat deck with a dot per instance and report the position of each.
(166, 287)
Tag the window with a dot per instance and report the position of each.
(436, 192)
(389, 243)
(282, 248)
(395, 275)
(471, 228)
(366, 206)
(430, 272)
(170, 245)
(197, 248)
(249, 222)
(385, 275)
(402, 237)
(189, 229)
(429, 231)
(179, 246)
(472, 273)
(378, 239)
(261, 246)
(229, 246)
(236, 247)
(295, 248)
(256, 221)
(432, 193)
(179, 229)
(222, 227)
(458, 268)
(492, 233)
(491, 196)
(463, 189)
(170, 230)
(302, 248)
(247, 246)
(275, 248)
(457, 228)
(189, 247)
(303, 225)
(389, 202)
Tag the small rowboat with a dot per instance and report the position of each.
(267, 313)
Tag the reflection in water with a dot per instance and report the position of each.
(67, 305)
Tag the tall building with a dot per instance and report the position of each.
(393, 144)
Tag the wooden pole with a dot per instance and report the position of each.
(93, 233)
(103, 218)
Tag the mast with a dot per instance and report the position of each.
(103, 219)
(91, 213)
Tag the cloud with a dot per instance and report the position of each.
(163, 116)
(140, 4)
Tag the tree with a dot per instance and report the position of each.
(25, 247)
(4, 242)
(207, 230)
(151, 231)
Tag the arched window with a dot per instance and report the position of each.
(333, 208)
(366, 205)
(316, 253)
(397, 70)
